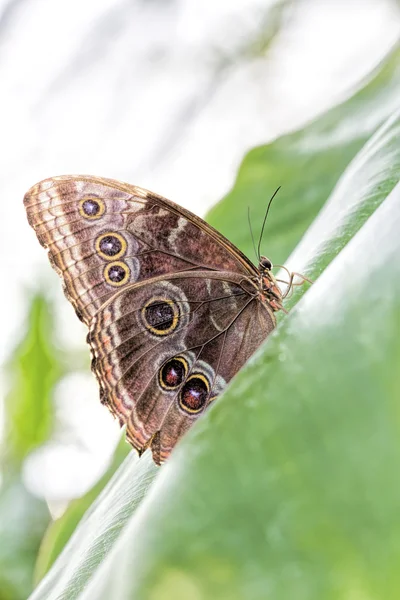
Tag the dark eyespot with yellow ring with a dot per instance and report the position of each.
(91, 208)
(173, 373)
(194, 393)
(117, 273)
(111, 245)
(160, 316)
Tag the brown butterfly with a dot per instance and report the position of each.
(173, 308)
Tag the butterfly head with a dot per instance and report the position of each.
(268, 284)
(265, 264)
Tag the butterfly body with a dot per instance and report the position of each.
(173, 308)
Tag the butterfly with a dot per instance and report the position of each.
(173, 308)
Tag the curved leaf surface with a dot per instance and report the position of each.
(289, 486)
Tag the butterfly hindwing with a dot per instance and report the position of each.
(164, 349)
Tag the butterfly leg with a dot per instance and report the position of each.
(290, 284)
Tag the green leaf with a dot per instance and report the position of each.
(99, 529)
(307, 164)
(224, 481)
(289, 488)
(60, 530)
(361, 189)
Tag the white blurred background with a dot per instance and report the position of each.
(165, 94)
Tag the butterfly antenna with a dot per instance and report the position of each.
(265, 220)
(251, 230)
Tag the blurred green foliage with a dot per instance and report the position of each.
(32, 371)
(23, 520)
(29, 540)
(307, 164)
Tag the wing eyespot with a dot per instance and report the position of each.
(160, 316)
(173, 373)
(194, 393)
(91, 208)
(111, 245)
(116, 273)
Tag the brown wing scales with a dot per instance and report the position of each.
(169, 302)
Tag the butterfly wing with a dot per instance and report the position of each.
(164, 349)
(103, 235)
(169, 301)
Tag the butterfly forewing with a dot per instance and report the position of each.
(103, 235)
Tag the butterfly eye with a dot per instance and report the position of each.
(116, 273)
(173, 372)
(91, 208)
(194, 393)
(265, 264)
(160, 316)
(111, 245)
